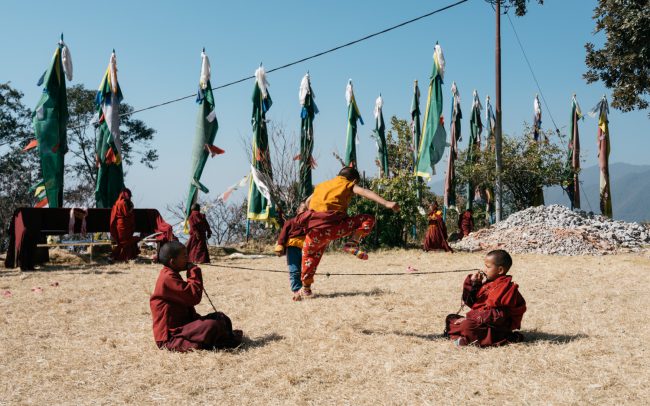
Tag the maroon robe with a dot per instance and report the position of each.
(436, 237)
(122, 227)
(176, 325)
(197, 245)
(497, 308)
(466, 223)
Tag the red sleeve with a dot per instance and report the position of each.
(186, 292)
(284, 233)
(470, 290)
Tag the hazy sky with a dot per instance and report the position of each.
(158, 47)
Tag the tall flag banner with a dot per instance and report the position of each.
(573, 156)
(538, 198)
(206, 131)
(434, 138)
(379, 134)
(351, 139)
(455, 133)
(307, 113)
(491, 123)
(259, 206)
(474, 145)
(50, 121)
(602, 109)
(415, 121)
(537, 120)
(108, 147)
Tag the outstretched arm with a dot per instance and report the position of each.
(370, 195)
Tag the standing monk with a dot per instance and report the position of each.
(197, 245)
(466, 223)
(436, 237)
(122, 227)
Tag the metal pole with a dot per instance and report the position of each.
(497, 134)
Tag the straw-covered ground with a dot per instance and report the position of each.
(362, 340)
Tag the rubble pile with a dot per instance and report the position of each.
(558, 230)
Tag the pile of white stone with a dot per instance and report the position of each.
(558, 230)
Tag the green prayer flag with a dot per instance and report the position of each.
(108, 149)
(434, 138)
(351, 133)
(50, 124)
(474, 145)
(307, 114)
(379, 133)
(259, 206)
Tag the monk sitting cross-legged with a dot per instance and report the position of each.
(497, 307)
(176, 325)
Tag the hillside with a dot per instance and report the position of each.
(630, 191)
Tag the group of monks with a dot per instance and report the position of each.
(125, 244)
(436, 236)
(496, 306)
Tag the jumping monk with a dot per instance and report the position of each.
(176, 325)
(436, 237)
(496, 306)
(327, 220)
(197, 245)
(290, 242)
(122, 227)
(465, 223)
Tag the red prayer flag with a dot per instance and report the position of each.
(214, 150)
(41, 203)
(32, 144)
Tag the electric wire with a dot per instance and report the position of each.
(286, 65)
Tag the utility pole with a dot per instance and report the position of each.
(497, 133)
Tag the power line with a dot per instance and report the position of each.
(316, 55)
(539, 88)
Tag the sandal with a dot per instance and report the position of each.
(352, 247)
(297, 297)
(306, 292)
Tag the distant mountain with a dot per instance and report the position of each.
(630, 191)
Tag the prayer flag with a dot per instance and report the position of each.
(206, 131)
(538, 197)
(434, 138)
(602, 109)
(474, 144)
(455, 133)
(380, 137)
(351, 133)
(110, 175)
(50, 124)
(573, 156)
(491, 123)
(307, 113)
(259, 206)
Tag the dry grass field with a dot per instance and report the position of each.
(362, 340)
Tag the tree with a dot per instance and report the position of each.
(393, 229)
(20, 170)
(623, 64)
(527, 165)
(81, 166)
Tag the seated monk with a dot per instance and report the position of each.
(436, 237)
(176, 325)
(197, 245)
(497, 307)
(122, 227)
